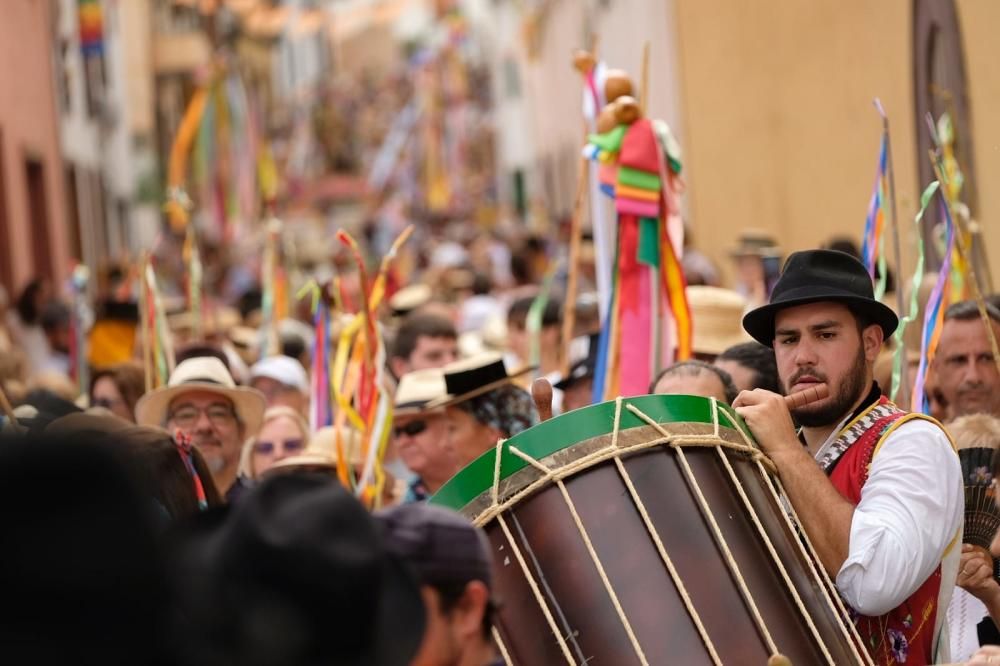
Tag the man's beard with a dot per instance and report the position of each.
(837, 408)
(212, 454)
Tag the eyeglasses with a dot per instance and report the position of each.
(413, 428)
(288, 446)
(218, 415)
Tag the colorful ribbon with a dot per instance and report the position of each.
(934, 313)
(183, 442)
(873, 246)
(899, 355)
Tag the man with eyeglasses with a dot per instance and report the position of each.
(202, 400)
(421, 435)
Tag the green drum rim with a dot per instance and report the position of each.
(565, 430)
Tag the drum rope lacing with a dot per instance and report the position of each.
(720, 540)
(590, 549)
(848, 629)
(614, 451)
(767, 541)
(829, 589)
(532, 583)
(503, 648)
(661, 549)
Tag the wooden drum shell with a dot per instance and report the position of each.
(547, 539)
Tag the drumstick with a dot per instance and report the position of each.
(811, 394)
(541, 393)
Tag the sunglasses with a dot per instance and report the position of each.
(289, 446)
(413, 428)
(106, 403)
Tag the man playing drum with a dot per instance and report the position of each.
(878, 490)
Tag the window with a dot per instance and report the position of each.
(73, 213)
(38, 216)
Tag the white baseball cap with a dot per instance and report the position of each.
(283, 369)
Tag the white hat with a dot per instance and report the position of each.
(282, 369)
(409, 298)
(201, 373)
(418, 388)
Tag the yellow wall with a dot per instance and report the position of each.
(779, 128)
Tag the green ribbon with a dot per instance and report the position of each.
(310, 288)
(610, 141)
(918, 274)
(642, 180)
(883, 272)
(533, 322)
(649, 242)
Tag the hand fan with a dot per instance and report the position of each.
(982, 517)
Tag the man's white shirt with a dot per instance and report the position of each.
(909, 521)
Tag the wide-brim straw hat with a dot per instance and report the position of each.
(417, 390)
(202, 373)
(322, 450)
(470, 377)
(717, 316)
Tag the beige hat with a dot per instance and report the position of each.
(418, 389)
(717, 316)
(202, 373)
(410, 298)
(322, 450)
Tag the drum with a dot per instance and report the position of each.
(648, 530)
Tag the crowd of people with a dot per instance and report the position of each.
(205, 521)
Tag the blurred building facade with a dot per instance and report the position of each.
(102, 79)
(772, 104)
(34, 234)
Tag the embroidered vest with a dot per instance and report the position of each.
(904, 635)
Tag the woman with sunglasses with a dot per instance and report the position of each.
(117, 388)
(284, 433)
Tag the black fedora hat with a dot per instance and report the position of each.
(470, 377)
(297, 574)
(813, 276)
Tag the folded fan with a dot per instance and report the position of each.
(982, 517)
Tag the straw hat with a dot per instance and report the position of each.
(470, 377)
(717, 315)
(322, 450)
(202, 373)
(410, 298)
(418, 389)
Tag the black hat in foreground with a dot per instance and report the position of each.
(295, 575)
(813, 276)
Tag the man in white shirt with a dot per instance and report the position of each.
(879, 491)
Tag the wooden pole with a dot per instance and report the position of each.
(575, 240)
(573, 268)
(144, 323)
(644, 94)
